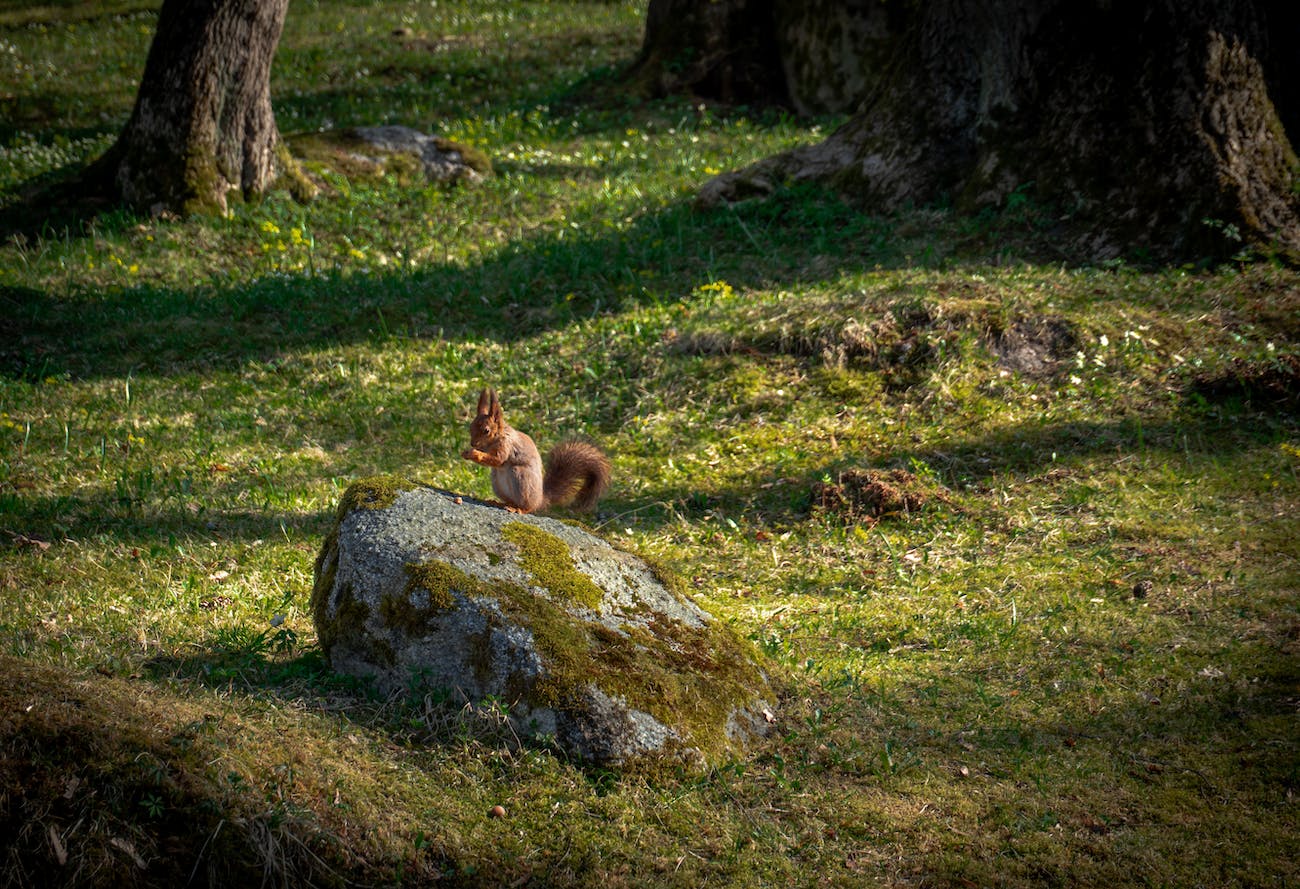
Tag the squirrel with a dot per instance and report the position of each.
(576, 471)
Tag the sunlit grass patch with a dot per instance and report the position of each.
(1077, 667)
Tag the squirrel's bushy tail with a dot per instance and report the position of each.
(575, 471)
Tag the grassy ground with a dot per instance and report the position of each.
(1066, 655)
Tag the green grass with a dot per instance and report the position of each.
(1078, 669)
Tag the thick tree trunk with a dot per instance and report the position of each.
(722, 49)
(1139, 120)
(202, 127)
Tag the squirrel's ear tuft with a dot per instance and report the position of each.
(495, 408)
(486, 399)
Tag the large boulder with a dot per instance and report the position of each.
(585, 644)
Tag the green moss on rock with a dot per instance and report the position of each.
(436, 580)
(474, 159)
(327, 567)
(350, 614)
(691, 678)
(376, 492)
(334, 152)
(667, 577)
(547, 558)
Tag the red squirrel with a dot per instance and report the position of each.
(576, 471)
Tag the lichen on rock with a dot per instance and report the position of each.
(585, 643)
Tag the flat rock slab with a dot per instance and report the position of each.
(586, 645)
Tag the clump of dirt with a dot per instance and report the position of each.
(1034, 345)
(866, 496)
(900, 344)
(1271, 384)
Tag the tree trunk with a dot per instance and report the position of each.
(1155, 126)
(722, 49)
(202, 127)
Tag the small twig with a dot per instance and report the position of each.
(26, 540)
(634, 512)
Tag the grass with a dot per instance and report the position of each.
(1078, 666)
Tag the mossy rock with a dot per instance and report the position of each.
(363, 154)
(587, 645)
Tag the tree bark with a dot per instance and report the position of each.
(1153, 126)
(721, 49)
(202, 129)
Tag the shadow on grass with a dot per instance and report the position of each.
(270, 662)
(1217, 756)
(104, 785)
(1022, 452)
(543, 282)
(144, 525)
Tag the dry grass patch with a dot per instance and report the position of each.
(866, 496)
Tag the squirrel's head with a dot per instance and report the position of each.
(489, 423)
